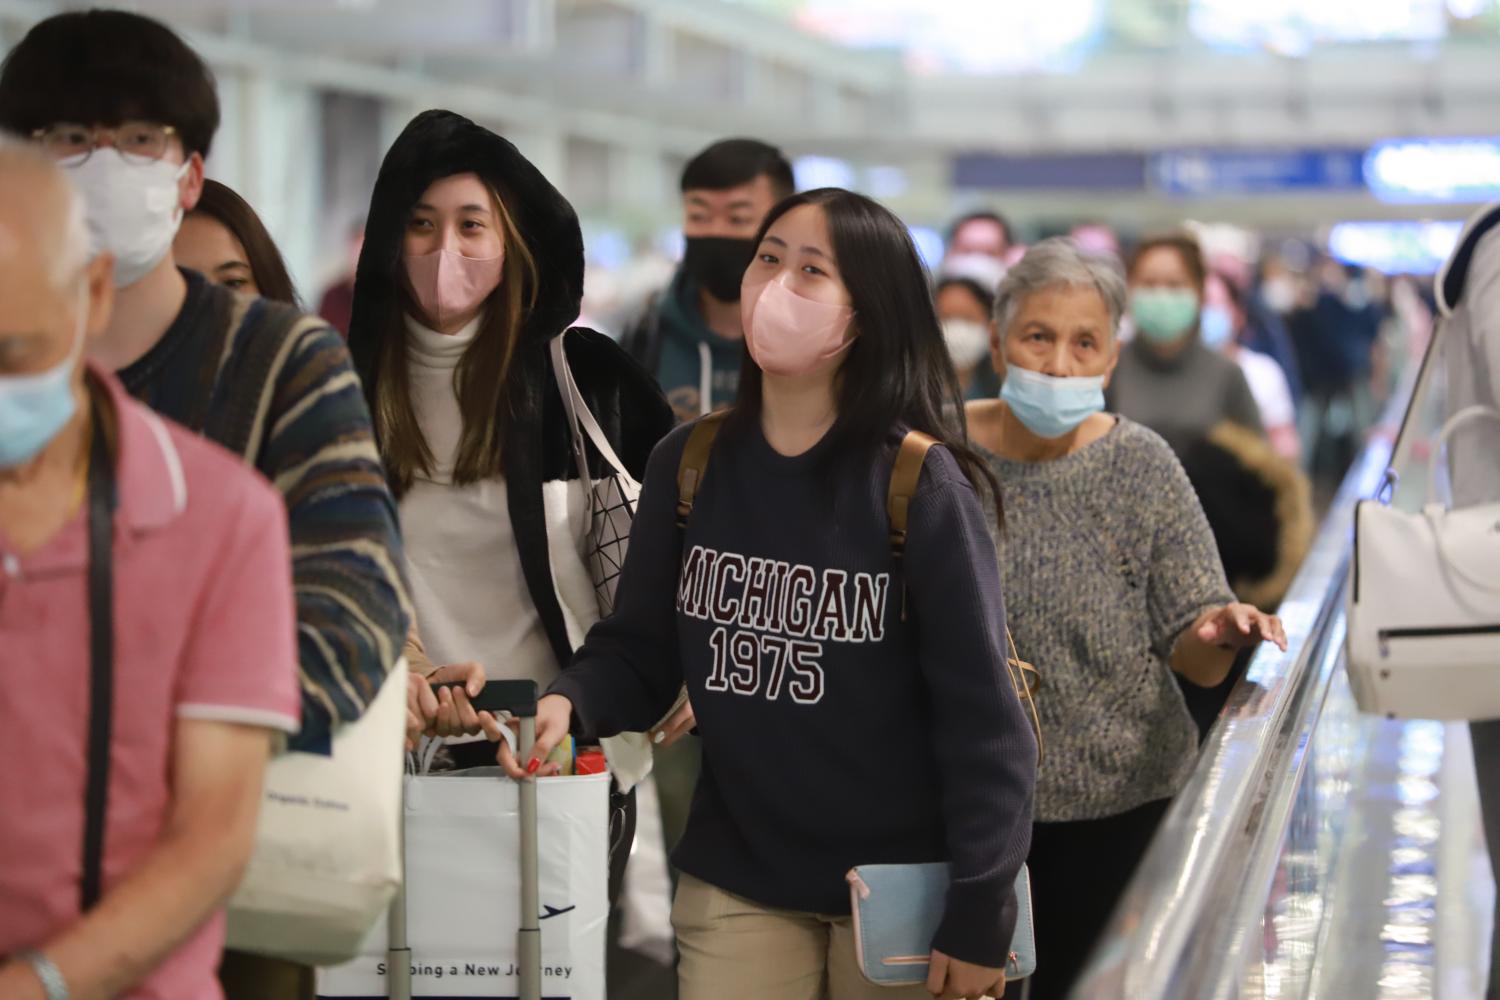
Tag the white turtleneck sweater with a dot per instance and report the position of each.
(464, 571)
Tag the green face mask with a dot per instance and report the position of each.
(1163, 315)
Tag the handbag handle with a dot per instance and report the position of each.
(1435, 512)
(1467, 415)
(580, 419)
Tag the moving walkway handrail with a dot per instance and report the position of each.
(1181, 926)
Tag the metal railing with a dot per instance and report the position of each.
(1188, 922)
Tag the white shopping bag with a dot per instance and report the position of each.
(463, 890)
(328, 845)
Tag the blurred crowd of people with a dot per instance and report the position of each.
(287, 506)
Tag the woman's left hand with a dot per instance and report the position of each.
(951, 979)
(1236, 626)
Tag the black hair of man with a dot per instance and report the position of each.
(985, 215)
(104, 67)
(732, 162)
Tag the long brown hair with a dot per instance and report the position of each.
(222, 203)
(480, 382)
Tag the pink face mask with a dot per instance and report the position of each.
(448, 284)
(791, 335)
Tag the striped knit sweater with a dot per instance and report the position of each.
(277, 387)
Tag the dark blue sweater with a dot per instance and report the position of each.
(834, 733)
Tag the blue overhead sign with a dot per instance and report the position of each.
(1209, 173)
(1435, 170)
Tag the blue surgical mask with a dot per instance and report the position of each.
(1216, 327)
(1050, 406)
(35, 408)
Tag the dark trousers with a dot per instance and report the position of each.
(1078, 871)
(622, 819)
(1486, 737)
(256, 977)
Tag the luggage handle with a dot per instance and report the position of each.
(516, 697)
(519, 699)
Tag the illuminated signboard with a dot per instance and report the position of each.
(1207, 172)
(1434, 170)
(1395, 247)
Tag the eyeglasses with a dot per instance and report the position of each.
(141, 143)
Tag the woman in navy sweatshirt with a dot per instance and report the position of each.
(854, 709)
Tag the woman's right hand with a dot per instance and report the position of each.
(554, 718)
(446, 711)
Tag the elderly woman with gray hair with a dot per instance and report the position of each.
(1113, 583)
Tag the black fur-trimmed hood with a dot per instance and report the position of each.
(1259, 506)
(438, 144)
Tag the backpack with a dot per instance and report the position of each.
(905, 475)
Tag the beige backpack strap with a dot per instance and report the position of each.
(1028, 681)
(694, 463)
(905, 475)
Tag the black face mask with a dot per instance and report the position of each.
(718, 264)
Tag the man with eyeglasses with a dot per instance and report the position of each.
(129, 112)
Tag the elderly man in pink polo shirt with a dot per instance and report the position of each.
(147, 652)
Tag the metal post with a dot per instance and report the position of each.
(397, 950)
(529, 945)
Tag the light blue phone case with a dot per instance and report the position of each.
(897, 910)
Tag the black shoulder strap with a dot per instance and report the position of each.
(101, 501)
(643, 340)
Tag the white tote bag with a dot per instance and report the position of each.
(328, 847)
(463, 890)
(612, 499)
(1424, 602)
(612, 506)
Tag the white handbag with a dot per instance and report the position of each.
(328, 847)
(1424, 594)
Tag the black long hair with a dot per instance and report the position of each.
(898, 371)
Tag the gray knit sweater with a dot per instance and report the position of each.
(1106, 557)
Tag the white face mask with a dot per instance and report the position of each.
(133, 210)
(968, 341)
(1279, 295)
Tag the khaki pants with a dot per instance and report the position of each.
(733, 949)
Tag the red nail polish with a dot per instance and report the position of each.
(531, 768)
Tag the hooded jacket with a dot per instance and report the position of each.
(537, 446)
(698, 369)
(1468, 294)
